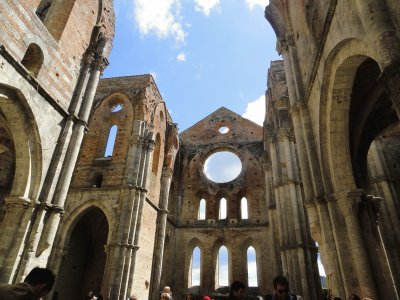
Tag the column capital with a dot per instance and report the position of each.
(167, 172)
(290, 40)
(283, 45)
(285, 133)
(100, 63)
(349, 201)
(150, 145)
(17, 201)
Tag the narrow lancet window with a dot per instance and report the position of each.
(111, 141)
(252, 266)
(244, 212)
(222, 267)
(202, 210)
(156, 155)
(222, 209)
(196, 267)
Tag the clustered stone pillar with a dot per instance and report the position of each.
(309, 163)
(56, 209)
(121, 251)
(161, 228)
(44, 216)
(349, 205)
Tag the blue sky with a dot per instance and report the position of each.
(203, 54)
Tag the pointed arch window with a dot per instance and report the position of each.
(156, 155)
(252, 266)
(244, 209)
(222, 209)
(202, 210)
(111, 141)
(33, 59)
(222, 267)
(195, 269)
(321, 268)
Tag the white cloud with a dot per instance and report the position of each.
(154, 74)
(161, 18)
(205, 6)
(181, 56)
(255, 110)
(222, 166)
(253, 3)
(252, 271)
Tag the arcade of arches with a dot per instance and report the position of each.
(97, 184)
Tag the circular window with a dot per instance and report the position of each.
(223, 166)
(223, 130)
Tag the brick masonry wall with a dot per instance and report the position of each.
(62, 59)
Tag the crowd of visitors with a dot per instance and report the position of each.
(39, 282)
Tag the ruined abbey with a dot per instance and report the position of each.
(322, 175)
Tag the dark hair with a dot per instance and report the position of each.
(41, 276)
(237, 285)
(191, 295)
(355, 297)
(280, 280)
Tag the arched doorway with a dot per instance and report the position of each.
(7, 160)
(82, 267)
(360, 111)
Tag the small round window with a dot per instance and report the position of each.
(223, 166)
(223, 130)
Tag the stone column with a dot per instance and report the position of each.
(349, 205)
(297, 124)
(277, 196)
(13, 232)
(128, 207)
(161, 227)
(135, 234)
(53, 216)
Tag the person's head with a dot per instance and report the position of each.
(281, 287)
(354, 297)
(41, 280)
(167, 289)
(189, 296)
(237, 289)
(165, 296)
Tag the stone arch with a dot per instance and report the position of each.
(102, 119)
(251, 242)
(27, 143)
(355, 108)
(34, 39)
(87, 236)
(33, 59)
(70, 219)
(338, 77)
